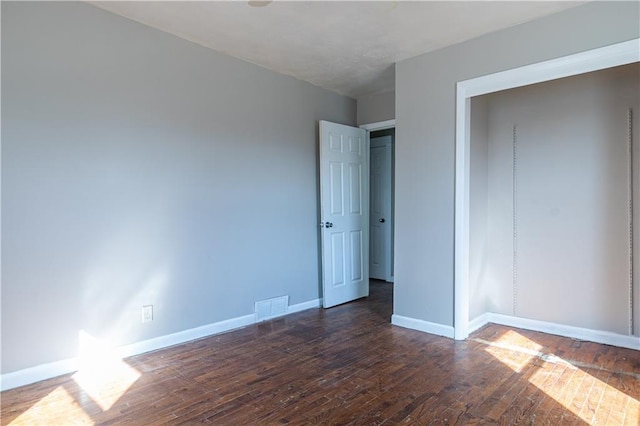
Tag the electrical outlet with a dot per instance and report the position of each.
(147, 313)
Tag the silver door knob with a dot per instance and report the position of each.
(381, 220)
(328, 225)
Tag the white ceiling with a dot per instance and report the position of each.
(349, 47)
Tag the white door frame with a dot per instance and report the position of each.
(579, 63)
(380, 125)
(372, 127)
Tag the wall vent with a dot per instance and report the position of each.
(271, 308)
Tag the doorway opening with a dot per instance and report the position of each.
(382, 200)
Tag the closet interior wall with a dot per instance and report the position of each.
(550, 201)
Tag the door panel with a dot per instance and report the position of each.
(356, 256)
(337, 194)
(344, 213)
(337, 258)
(355, 179)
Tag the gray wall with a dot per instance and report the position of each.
(139, 168)
(478, 207)
(376, 108)
(425, 117)
(572, 200)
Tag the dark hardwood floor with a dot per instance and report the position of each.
(347, 365)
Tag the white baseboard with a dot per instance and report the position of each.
(596, 336)
(478, 322)
(316, 303)
(185, 336)
(304, 306)
(37, 373)
(66, 366)
(421, 325)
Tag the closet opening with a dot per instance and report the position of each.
(544, 198)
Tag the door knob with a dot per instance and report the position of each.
(328, 225)
(381, 220)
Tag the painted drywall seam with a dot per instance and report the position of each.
(515, 220)
(630, 213)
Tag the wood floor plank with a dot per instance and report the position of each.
(349, 365)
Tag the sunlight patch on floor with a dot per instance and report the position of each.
(55, 408)
(558, 380)
(103, 375)
(584, 400)
(512, 349)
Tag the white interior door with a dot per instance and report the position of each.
(380, 215)
(344, 178)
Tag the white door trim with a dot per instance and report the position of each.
(579, 63)
(380, 125)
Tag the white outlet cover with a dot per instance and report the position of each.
(147, 313)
